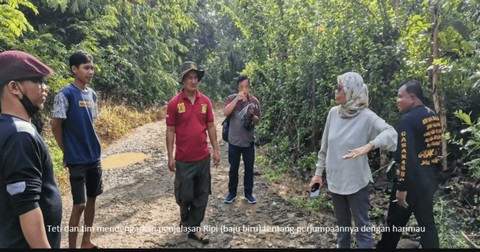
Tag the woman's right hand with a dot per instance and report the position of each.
(315, 179)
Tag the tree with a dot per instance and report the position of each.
(134, 43)
(213, 45)
(438, 99)
(295, 50)
(12, 21)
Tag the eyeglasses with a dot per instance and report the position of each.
(338, 88)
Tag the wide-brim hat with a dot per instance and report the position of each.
(16, 65)
(187, 67)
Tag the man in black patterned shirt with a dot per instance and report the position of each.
(417, 155)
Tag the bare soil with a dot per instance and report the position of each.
(138, 209)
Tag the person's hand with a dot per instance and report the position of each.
(171, 164)
(250, 112)
(315, 179)
(216, 158)
(358, 151)
(402, 199)
(242, 95)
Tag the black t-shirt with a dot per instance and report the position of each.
(27, 181)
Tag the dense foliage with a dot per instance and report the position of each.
(293, 51)
(135, 44)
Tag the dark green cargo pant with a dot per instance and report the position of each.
(192, 187)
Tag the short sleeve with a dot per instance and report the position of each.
(60, 106)
(95, 104)
(171, 113)
(210, 115)
(230, 99)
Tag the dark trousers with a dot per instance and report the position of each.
(420, 201)
(192, 187)
(356, 205)
(248, 154)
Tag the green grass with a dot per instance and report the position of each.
(322, 202)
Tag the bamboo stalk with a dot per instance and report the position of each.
(469, 242)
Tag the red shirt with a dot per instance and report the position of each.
(190, 122)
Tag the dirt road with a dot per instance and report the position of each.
(138, 209)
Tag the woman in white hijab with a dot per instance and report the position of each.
(351, 131)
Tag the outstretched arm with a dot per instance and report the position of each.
(383, 136)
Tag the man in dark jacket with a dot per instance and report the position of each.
(30, 202)
(418, 160)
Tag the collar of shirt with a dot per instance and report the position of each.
(183, 96)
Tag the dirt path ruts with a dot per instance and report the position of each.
(138, 209)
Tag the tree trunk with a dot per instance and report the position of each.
(438, 100)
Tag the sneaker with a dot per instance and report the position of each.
(230, 198)
(250, 198)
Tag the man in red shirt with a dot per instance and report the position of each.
(189, 117)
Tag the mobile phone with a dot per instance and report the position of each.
(315, 190)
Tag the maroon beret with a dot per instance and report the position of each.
(16, 65)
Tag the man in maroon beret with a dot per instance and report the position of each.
(31, 205)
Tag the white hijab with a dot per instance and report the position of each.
(356, 93)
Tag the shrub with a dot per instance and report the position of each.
(114, 121)
(472, 144)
